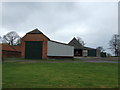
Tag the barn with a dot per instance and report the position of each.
(36, 45)
(80, 50)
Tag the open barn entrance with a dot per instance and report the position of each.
(77, 52)
(33, 49)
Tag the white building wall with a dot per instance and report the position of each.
(57, 49)
(85, 52)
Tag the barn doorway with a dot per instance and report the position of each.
(33, 49)
(77, 52)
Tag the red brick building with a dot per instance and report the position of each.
(11, 51)
(33, 37)
(35, 45)
(31, 41)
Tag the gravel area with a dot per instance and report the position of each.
(77, 60)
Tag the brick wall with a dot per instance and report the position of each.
(35, 37)
(11, 54)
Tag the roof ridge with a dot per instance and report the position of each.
(59, 42)
(35, 31)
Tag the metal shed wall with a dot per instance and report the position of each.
(57, 49)
(92, 53)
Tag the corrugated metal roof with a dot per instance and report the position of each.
(59, 42)
(74, 42)
(88, 48)
(35, 31)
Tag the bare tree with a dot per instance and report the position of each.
(114, 44)
(18, 41)
(81, 41)
(100, 48)
(11, 38)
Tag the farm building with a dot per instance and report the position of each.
(58, 50)
(80, 50)
(11, 51)
(35, 45)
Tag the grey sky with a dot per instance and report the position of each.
(94, 22)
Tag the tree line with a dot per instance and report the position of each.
(12, 38)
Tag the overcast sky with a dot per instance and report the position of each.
(94, 22)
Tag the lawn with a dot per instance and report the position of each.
(60, 75)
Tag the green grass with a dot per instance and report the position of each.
(60, 75)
